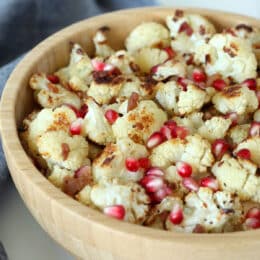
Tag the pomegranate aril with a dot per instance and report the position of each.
(152, 183)
(185, 27)
(252, 223)
(159, 195)
(254, 129)
(98, 65)
(176, 215)
(181, 132)
(219, 84)
(169, 52)
(233, 116)
(253, 213)
(183, 82)
(219, 148)
(209, 182)
(250, 83)
(199, 76)
(155, 171)
(183, 169)
(53, 79)
(82, 111)
(116, 211)
(111, 116)
(170, 124)
(244, 154)
(154, 69)
(190, 184)
(166, 131)
(155, 139)
(132, 164)
(84, 170)
(144, 162)
(76, 126)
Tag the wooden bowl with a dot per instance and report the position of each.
(83, 231)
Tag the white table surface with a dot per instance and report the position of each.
(22, 237)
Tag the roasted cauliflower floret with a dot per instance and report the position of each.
(58, 174)
(77, 75)
(238, 133)
(238, 176)
(132, 196)
(257, 115)
(229, 56)
(214, 212)
(141, 122)
(214, 128)
(237, 99)
(111, 162)
(100, 41)
(51, 95)
(172, 67)
(149, 34)
(95, 125)
(58, 148)
(188, 31)
(84, 196)
(252, 144)
(146, 58)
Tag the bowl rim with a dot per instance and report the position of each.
(17, 155)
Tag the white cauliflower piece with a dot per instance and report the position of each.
(149, 34)
(58, 174)
(146, 58)
(58, 148)
(192, 99)
(252, 144)
(77, 75)
(111, 162)
(84, 196)
(191, 121)
(214, 212)
(100, 43)
(139, 123)
(132, 196)
(215, 128)
(51, 95)
(95, 125)
(239, 133)
(237, 99)
(188, 31)
(238, 176)
(229, 56)
(173, 67)
(257, 115)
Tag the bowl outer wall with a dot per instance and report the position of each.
(81, 230)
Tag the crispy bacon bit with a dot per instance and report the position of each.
(132, 101)
(72, 185)
(106, 77)
(179, 13)
(185, 27)
(244, 27)
(65, 150)
(202, 30)
(229, 51)
(207, 58)
(198, 229)
(53, 79)
(188, 57)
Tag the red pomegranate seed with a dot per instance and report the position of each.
(176, 215)
(76, 126)
(159, 195)
(250, 83)
(144, 162)
(98, 65)
(244, 154)
(116, 211)
(166, 131)
(82, 111)
(183, 169)
(252, 223)
(190, 184)
(111, 116)
(53, 79)
(254, 129)
(155, 139)
(253, 213)
(181, 132)
(209, 182)
(183, 82)
(233, 116)
(132, 164)
(199, 76)
(152, 183)
(84, 170)
(219, 84)
(219, 147)
(185, 27)
(155, 171)
(169, 52)
(170, 124)
(154, 69)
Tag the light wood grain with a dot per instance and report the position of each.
(84, 232)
